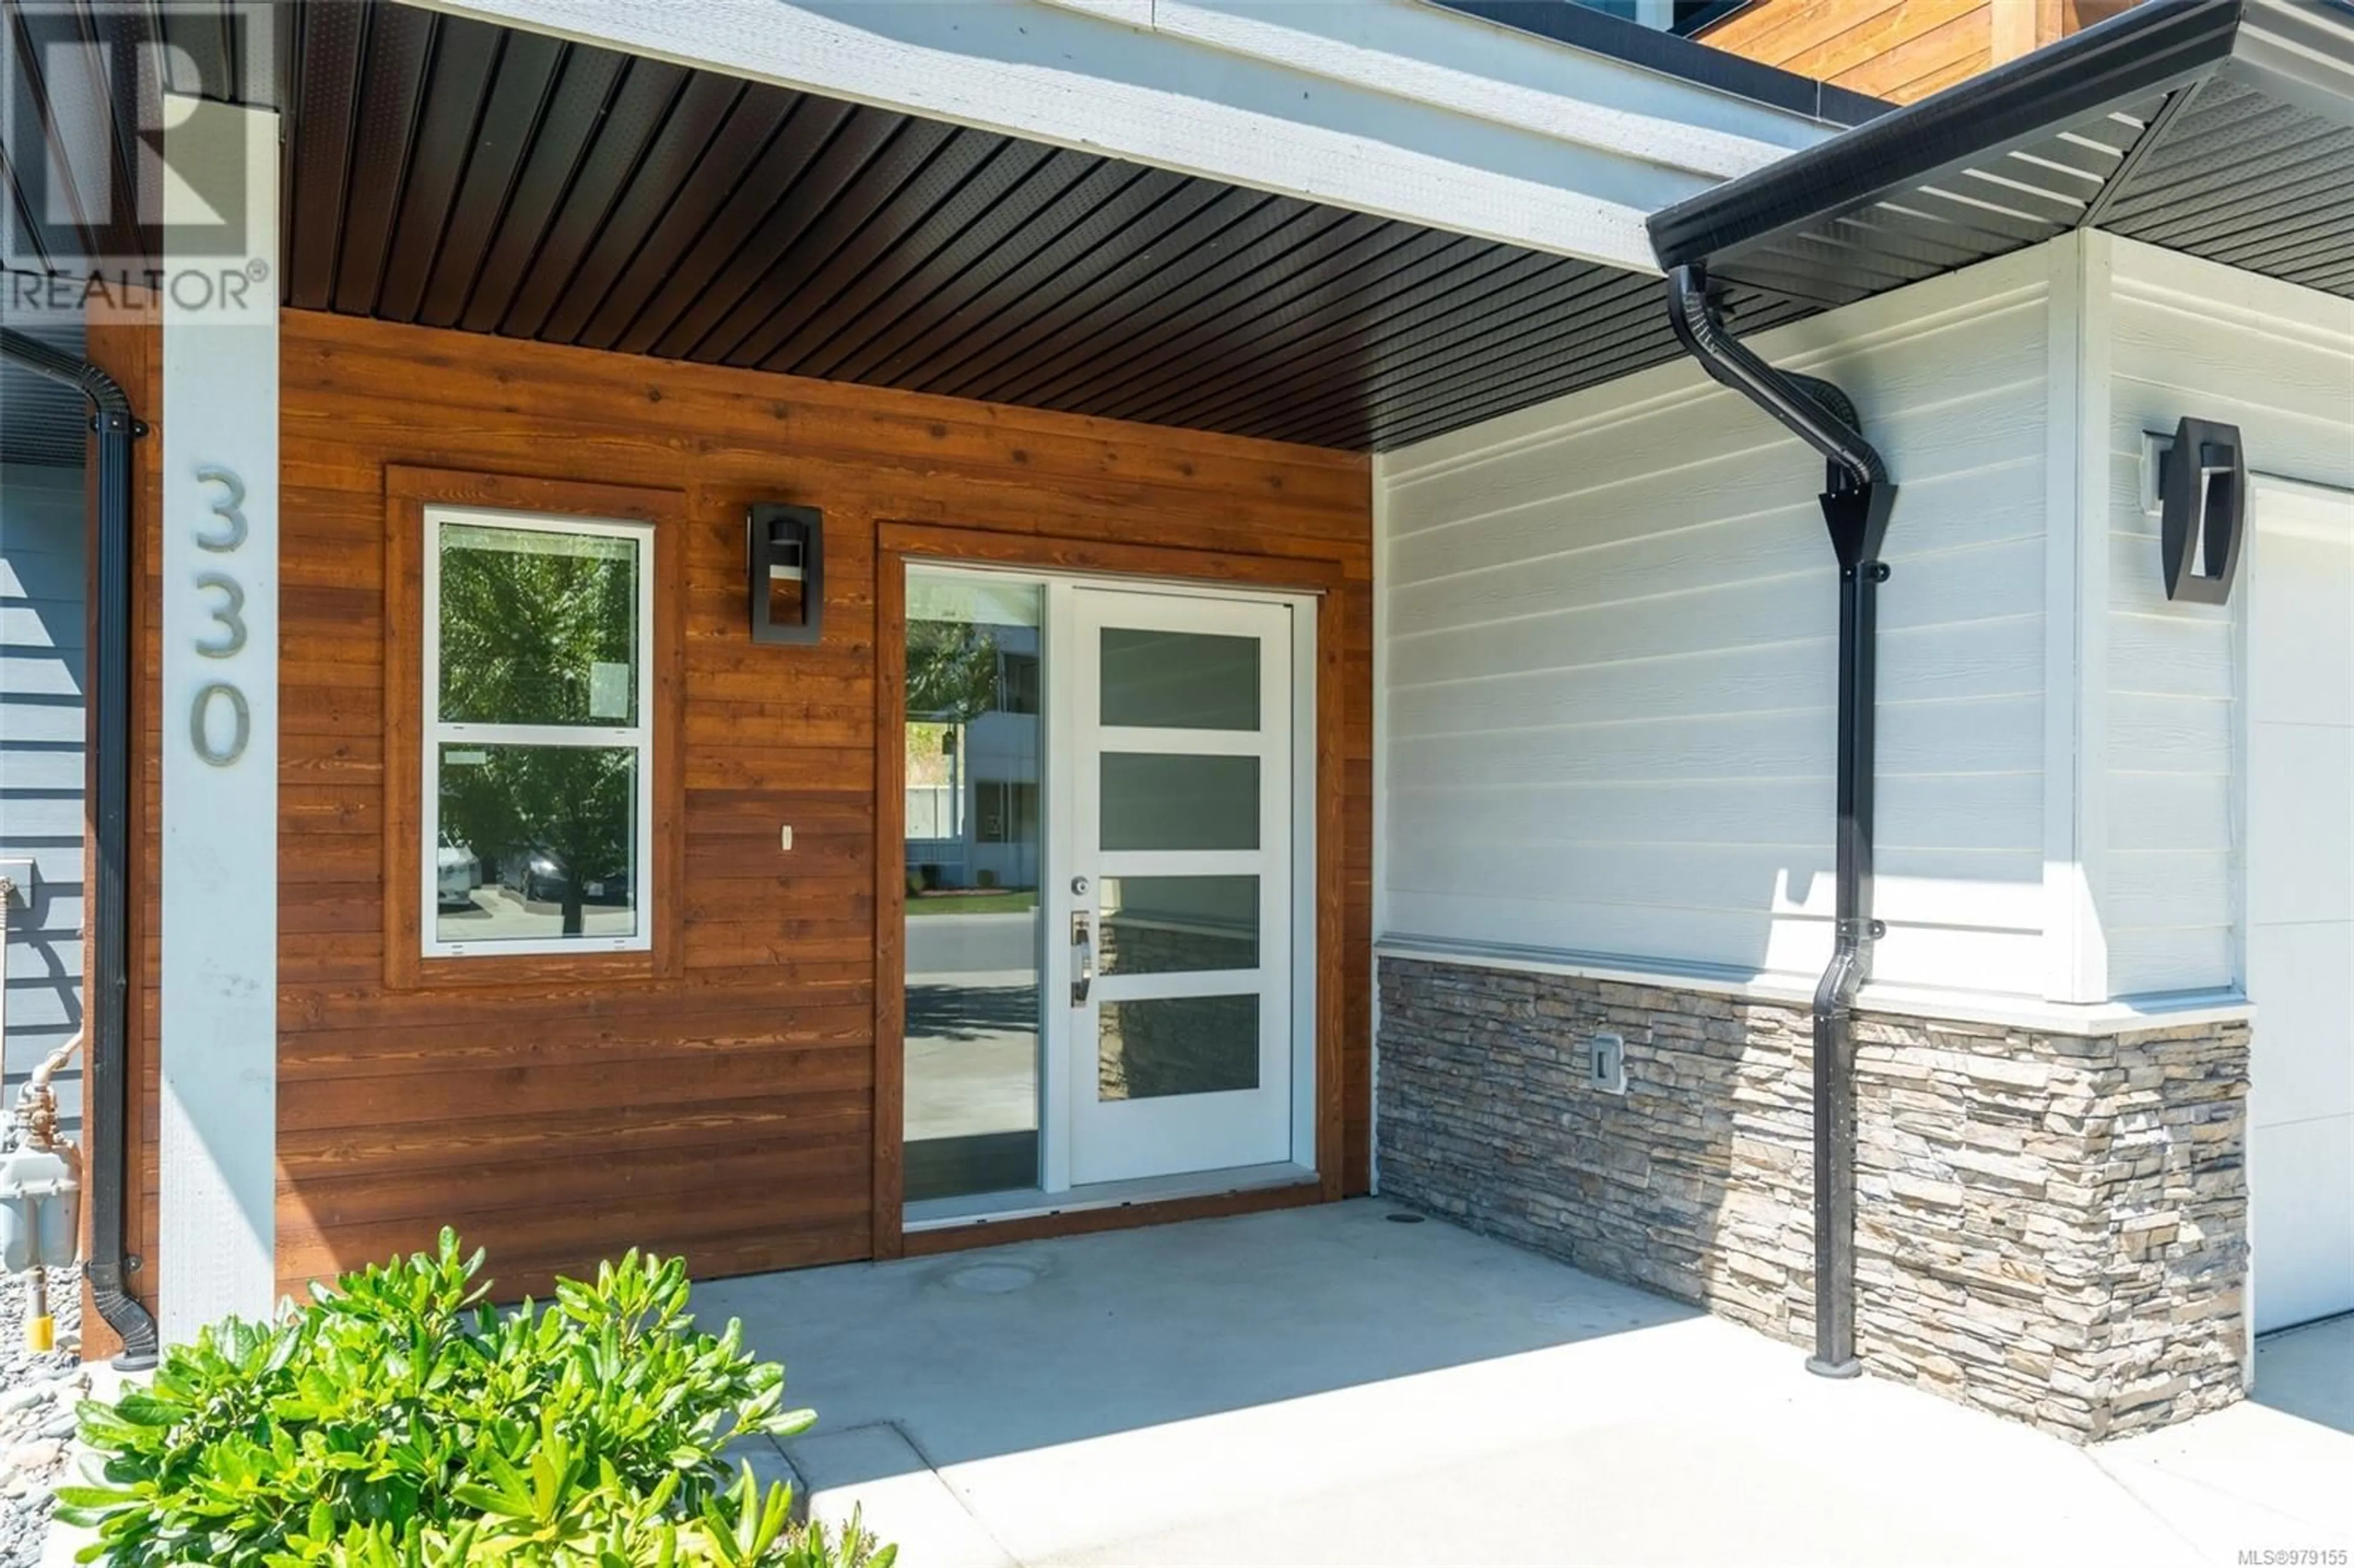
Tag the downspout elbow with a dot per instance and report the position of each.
(1815, 411)
(105, 395)
(1842, 978)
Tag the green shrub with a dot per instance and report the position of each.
(398, 1422)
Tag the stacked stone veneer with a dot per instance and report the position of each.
(1194, 1045)
(2050, 1226)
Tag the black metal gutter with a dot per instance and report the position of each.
(1857, 497)
(106, 1077)
(2156, 45)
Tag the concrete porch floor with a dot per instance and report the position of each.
(1324, 1386)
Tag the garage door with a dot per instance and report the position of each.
(2300, 610)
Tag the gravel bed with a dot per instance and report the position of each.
(38, 1393)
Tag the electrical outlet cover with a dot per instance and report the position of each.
(1606, 1063)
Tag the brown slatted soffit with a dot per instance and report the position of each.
(443, 171)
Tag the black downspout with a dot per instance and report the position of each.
(1856, 500)
(107, 1098)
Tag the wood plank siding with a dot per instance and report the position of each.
(720, 1100)
(1899, 49)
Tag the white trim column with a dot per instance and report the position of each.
(2076, 620)
(218, 715)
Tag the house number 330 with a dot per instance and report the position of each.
(226, 640)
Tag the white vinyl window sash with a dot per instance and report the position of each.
(521, 534)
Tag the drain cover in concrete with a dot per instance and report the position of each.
(994, 1278)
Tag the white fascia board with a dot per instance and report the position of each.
(1422, 54)
(1381, 106)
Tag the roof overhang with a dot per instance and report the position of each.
(2220, 128)
(1323, 223)
(1390, 107)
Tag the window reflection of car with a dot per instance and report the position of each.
(544, 876)
(459, 872)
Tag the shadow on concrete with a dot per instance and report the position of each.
(2308, 1372)
(1012, 1348)
(971, 1012)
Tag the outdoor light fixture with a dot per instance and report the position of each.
(784, 577)
(2202, 489)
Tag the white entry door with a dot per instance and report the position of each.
(2299, 606)
(1174, 888)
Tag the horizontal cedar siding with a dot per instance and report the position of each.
(725, 1112)
(1896, 49)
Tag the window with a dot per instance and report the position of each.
(537, 741)
(1017, 683)
(1005, 812)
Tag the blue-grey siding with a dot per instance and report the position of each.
(42, 682)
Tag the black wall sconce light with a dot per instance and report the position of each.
(785, 571)
(2202, 491)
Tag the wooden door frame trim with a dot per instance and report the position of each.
(886, 1219)
(898, 542)
(1125, 1216)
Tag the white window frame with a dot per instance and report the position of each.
(435, 733)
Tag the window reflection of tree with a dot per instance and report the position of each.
(952, 670)
(524, 621)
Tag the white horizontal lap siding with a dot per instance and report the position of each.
(1610, 648)
(2191, 337)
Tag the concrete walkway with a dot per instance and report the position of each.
(1324, 1386)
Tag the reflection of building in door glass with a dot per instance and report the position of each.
(973, 843)
(972, 756)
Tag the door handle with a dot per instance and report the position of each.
(1083, 959)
